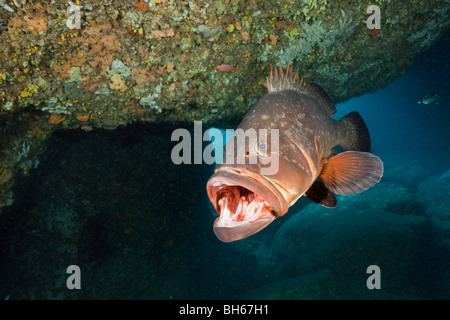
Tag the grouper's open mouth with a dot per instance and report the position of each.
(245, 202)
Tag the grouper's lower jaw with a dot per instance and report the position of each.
(246, 202)
(240, 230)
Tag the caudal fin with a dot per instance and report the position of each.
(357, 137)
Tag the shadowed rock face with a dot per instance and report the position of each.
(363, 230)
(156, 61)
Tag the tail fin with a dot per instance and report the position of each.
(357, 135)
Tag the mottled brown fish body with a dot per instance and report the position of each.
(305, 130)
(247, 200)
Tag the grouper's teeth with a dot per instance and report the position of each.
(223, 205)
(239, 208)
(260, 209)
(219, 183)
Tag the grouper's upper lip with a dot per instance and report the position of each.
(251, 181)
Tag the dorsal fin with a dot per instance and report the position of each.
(280, 81)
(321, 97)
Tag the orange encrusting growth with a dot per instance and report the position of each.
(83, 118)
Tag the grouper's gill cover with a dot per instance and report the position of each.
(247, 197)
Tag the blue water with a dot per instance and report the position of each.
(139, 227)
(400, 126)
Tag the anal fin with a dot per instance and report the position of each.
(351, 172)
(319, 194)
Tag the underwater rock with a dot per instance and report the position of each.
(444, 179)
(434, 193)
(407, 171)
(346, 240)
(208, 32)
(325, 40)
(319, 285)
(98, 205)
(119, 67)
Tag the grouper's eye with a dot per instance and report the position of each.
(246, 155)
(262, 147)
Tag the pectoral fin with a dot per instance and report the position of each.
(351, 172)
(319, 194)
